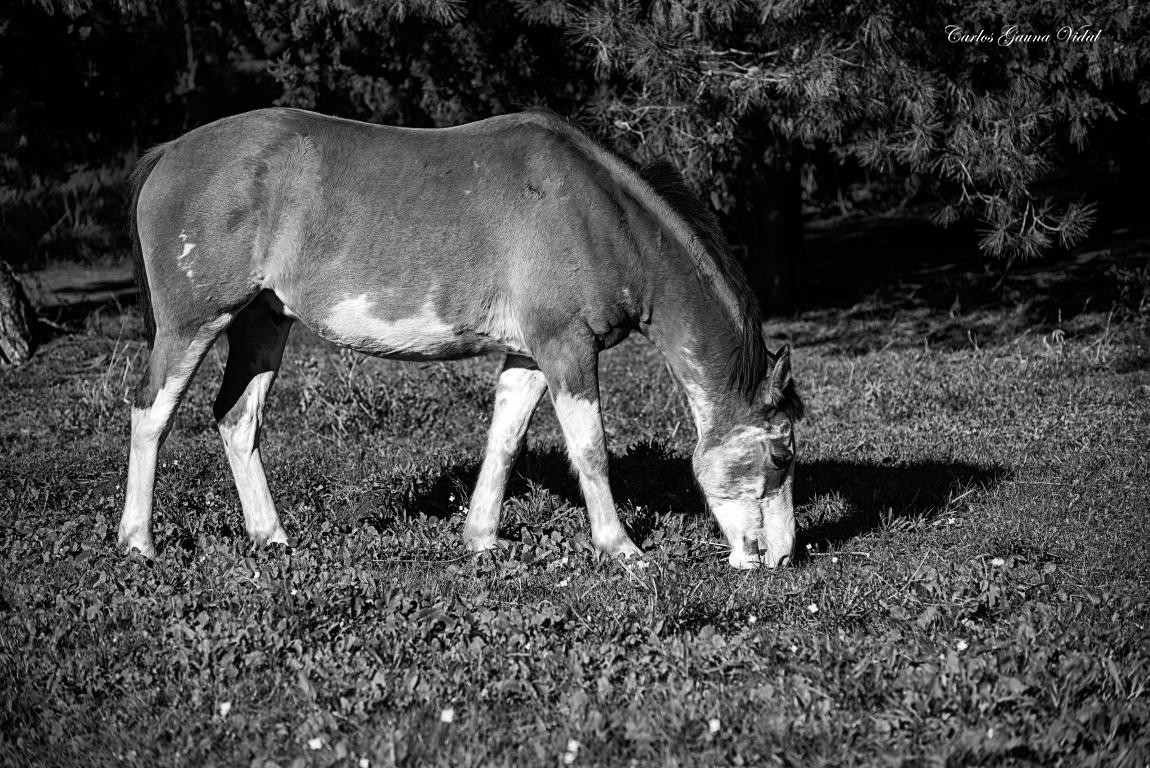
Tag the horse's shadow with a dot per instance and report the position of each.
(650, 478)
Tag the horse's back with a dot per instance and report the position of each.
(367, 232)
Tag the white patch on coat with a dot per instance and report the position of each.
(353, 322)
(503, 326)
(700, 407)
(690, 377)
(183, 259)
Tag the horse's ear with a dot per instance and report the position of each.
(779, 378)
(781, 373)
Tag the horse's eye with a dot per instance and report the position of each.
(781, 460)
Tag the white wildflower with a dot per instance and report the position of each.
(572, 751)
(447, 715)
(998, 562)
(813, 608)
(316, 743)
(961, 645)
(225, 708)
(713, 725)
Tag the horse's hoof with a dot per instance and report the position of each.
(481, 542)
(624, 548)
(143, 544)
(278, 536)
(744, 562)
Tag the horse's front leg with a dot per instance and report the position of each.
(517, 394)
(574, 383)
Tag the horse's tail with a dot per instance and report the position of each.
(140, 173)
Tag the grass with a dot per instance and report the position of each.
(972, 591)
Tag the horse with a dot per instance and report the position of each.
(517, 234)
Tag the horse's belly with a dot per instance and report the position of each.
(355, 322)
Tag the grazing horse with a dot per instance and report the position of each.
(516, 234)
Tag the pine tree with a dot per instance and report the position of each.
(746, 93)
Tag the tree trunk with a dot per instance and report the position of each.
(16, 318)
(774, 237)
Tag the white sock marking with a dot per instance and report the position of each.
(516, 396)
(583, 431)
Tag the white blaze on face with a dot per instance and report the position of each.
(739, 521)
(777, 540)
(758, 521)
(353, 322)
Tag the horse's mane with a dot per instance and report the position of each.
(720, 271)
(708, 249)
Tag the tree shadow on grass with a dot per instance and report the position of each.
(650, 478)
(647, 476)
(876, 494)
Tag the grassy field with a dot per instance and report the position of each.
(972, 587)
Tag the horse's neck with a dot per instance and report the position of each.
(697, 340)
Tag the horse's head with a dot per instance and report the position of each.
(747, 471)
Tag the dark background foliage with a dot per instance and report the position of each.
(776, 111)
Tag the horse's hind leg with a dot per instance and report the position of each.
(255, 348)
(573, 379)
(173, 361)
(517, 394)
